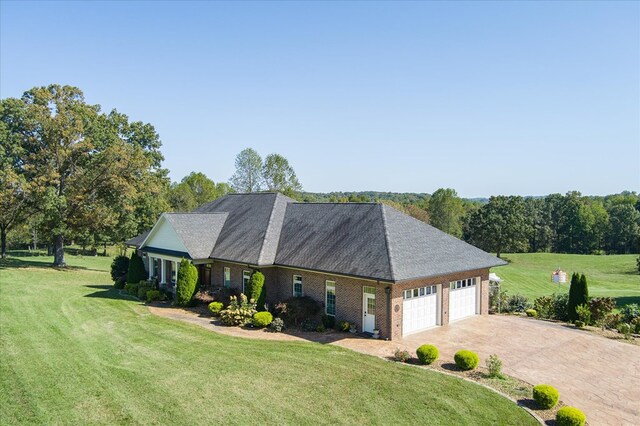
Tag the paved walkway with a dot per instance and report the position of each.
(598, 375)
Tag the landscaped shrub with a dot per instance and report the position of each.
(262, 319)
(277, 325)
(132, 289)
(155, 295)
(143, 288)
(625, 329)
(136, 272)
(344, 326)
(119, 268)
(612, 320)
(215, 308)
(600, 307)
(238, 312)
(466, 360)
(223, 294)
(561, 306)
(531, 313)
(320, 328)
(544, 307)
(578, 295)
(295, 310)
(494, 365)
(584, 314)
(186, 282)
(546, 396)
(517, 303)
(629, 312)
(570, 416)
(401, 355)
(255, 289)
(328, 321)
(635, 324)
(427, 354)
(202, 298)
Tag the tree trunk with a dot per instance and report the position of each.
(3, 237)
(58, 252)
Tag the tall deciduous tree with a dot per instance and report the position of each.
(86, 169)
(501, 225)
(279, 176)
(623, 233)
(195, 190)
(446, 210)
(248, 175)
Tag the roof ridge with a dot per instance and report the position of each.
(195, 213)
(386, 241)
(338, 203)
(266, 231)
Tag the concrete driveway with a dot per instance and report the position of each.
(598, 375)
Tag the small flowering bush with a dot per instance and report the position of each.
(238, 312)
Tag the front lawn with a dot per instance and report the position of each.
(529, 274)
(74, 352)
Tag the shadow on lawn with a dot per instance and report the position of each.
(627, 300)
(40, 262)
(108, 292)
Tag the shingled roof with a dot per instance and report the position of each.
(368, 240)
(252, 230)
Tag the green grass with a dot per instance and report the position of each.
(74, 352)
(530, 274)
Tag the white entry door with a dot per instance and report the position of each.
(463, 299)
(419, 309)
(369, 312)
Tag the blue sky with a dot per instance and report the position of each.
(487, 98)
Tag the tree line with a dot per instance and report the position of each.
(70, 172)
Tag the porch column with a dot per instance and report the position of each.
(163, 271)
(151, 263)
(174, 267)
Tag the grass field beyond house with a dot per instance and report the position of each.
(73, 352)
(530, 274)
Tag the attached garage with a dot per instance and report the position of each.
(420, 309)
(463, 299)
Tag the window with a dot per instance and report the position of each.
(174, 271)
(420, 292)
(297, 286)
(330, 298)
(469, 282)
(246, 276)
(227, 277)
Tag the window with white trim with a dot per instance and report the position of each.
(246, 276)
(330, 298)
(469, 282)
(297, 286)
(420, 292)
(227, 277)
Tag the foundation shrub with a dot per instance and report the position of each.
(262, 319)
(570, 416)
(427, 354)
(466, 360)
(546, 396)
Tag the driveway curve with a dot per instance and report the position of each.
(598, 375)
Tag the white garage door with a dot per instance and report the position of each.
(463, 299)
(419, 309)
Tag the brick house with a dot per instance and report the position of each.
(366, 263)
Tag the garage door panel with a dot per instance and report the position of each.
(419, 313)
(462, 303)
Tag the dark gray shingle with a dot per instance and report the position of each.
(198, 231)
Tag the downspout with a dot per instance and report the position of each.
(387, 290)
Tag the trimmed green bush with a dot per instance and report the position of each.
(570, 416)
(132, 288)
(136, 272)
(119, 269)
(255, 289)
(532, 313)
(143, 288)
(546, 396)
(153, 295)
(466, 360)
(629, 312)
(427, 354)
(186, 282)
(543, 306)
(262, 319)
(215, 308)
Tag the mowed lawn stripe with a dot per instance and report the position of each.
(74, 351)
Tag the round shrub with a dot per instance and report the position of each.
(427, 354)
(570, 416)
(277, 325)
(531, 313)
(546, 396)
(262, 319)
(215, 307)
(466, 360)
